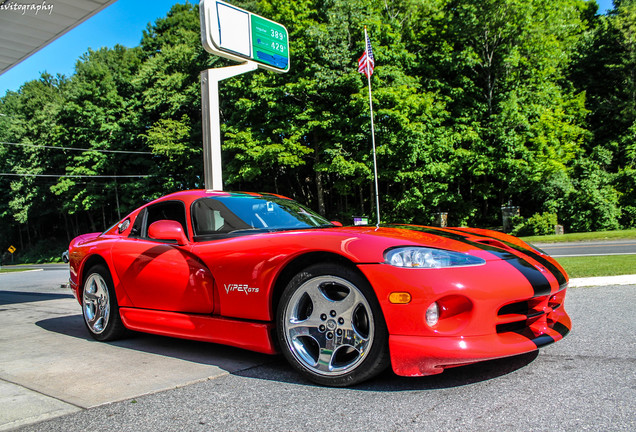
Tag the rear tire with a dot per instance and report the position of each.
(330, 326)
(99, 305)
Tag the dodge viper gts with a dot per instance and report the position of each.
(264, 273)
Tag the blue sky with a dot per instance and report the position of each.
(121, 23)
(604, 5)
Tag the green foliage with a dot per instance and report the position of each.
(593, 205)
(477, 103)
(47, 250)
(538, 224)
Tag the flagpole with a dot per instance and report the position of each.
(375, 163)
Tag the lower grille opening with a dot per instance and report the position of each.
(520, 308)
(518, 316)
(515, 327)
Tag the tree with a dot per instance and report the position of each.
(477, 104)
(97, 118)
(605, 69)
(31, 116)
(168, 100)
(501, 66)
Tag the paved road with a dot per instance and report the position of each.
(45, 267)
(596, 248)
(49, 366)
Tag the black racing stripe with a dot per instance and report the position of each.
(561, 329)
(460, 237)
(558, 275)
(539, 282)
(543, 340)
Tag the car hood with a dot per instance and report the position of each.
(489, 245)
(486, 244)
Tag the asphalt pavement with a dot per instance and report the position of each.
(50, 366)
(592, 248)
(53, 377)
(595, 248)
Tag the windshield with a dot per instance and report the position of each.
(234, 214)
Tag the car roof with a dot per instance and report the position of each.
(193, 194)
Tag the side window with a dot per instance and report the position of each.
(168, 210)
(206, 219)
(137, 227)
(211, 217)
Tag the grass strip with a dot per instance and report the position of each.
(587, 236)
(612, 265)
(12, 270)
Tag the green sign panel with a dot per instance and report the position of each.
(270, 43)
(237, 34)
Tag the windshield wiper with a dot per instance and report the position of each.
(249, 230)
(275, 229)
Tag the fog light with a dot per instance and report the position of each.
(400, 297)
(432, 314)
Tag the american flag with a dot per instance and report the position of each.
(366, 63)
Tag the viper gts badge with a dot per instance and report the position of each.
(240, 288)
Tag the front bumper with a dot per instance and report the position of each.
(74, 289)
(487, 312)
(422, 355)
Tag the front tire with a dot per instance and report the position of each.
(330, 326)
(99, 305)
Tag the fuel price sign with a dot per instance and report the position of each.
(237, 34)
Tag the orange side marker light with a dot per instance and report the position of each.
(400, 297)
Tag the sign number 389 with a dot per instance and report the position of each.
(277, 35)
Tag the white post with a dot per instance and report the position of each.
(375, 163)
(212, 167)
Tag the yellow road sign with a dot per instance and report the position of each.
(11, 249)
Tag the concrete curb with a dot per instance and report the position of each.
(603, 281)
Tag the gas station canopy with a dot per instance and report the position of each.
(25, 31)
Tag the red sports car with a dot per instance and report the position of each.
(264, 273)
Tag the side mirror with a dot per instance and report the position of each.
(336, 223)
(167, 230)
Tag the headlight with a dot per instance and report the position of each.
(422, 257)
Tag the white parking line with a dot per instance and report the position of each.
(588, 255)
(603, 281)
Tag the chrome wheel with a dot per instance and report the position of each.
(96, 302)
(328, 325)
